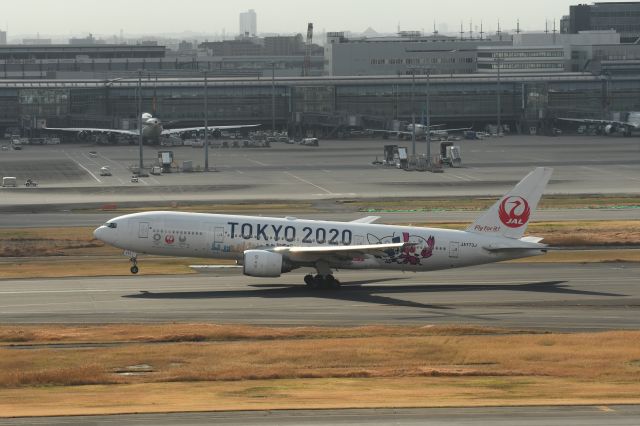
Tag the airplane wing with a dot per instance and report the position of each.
(92, 130)
(308, 254)
(460, 129)
(393, 132)
(603, 122)
(192, 129)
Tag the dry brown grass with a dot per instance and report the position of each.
(227, 208)
(608, 357)
(42, 334)
(68, 241)
(311, 394)
(243, 367)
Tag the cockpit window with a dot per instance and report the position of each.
(112, 225)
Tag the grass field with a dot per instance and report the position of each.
(168, 367)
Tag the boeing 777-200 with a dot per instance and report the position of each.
(151, 129)
(269, 247)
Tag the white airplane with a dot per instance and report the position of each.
(269, 247)
(609, 127)
(421, 130)
(151, 129)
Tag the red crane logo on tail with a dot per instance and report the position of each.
(514, 212)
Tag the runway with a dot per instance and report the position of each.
(559, 297)
(513, 416)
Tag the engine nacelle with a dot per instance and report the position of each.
(263, 263)
(608, 129)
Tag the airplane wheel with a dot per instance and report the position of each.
(331, 282)
(134, 269)
(308, 280)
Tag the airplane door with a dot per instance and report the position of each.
(454, 250)
(214, 237)
(143, 230)
(218, 238)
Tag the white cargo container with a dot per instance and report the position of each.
(9, 181)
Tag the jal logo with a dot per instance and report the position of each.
(514, 212)
(169, 239)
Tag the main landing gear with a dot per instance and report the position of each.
(321, 281)
(324, 278)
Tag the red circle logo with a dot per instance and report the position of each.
(169, 239)
(514, 212)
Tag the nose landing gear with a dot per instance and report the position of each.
(134, 265)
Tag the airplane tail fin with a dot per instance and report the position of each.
(509, 216)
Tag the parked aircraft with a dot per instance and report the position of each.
(420, 130)
(609, 127)
(151, 129)
(269, 247)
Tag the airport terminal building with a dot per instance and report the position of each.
(323, 106)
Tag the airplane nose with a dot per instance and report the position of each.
(98, 233)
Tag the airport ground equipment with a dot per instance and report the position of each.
(450, 154)
(9, 181)
(30, 183)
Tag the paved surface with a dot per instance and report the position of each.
(533, 296)
(516, 416)
(336, 169)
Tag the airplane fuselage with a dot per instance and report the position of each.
(229, 236)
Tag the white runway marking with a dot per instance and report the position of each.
(83, 167)
(260, 163)
(309, 183)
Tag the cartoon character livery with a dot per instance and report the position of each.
(269, 247)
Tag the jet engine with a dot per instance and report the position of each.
(608, 129)
(263, 263)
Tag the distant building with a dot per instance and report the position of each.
(36, 41)
(284, 45)
(240, 47)
(545, 52)
(408, 53)
(623, 17)
(85, 41)
(185, 45)
(248, 23)
(3, 37)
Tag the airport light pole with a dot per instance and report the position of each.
(206, 123)
(413, 113)
(140, 165)
(273, 98)
(498, 99)
(428, 118)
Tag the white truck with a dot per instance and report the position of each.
(9, 181)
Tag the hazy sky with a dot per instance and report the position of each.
(108, 17)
